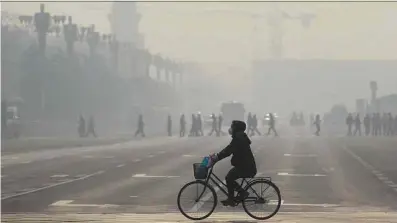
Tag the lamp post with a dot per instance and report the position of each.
(92, 39)
(114, 49)
(70, 32)
(42, 22)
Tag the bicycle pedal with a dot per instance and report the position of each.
(227, 203)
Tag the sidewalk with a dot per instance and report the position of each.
(291, 217)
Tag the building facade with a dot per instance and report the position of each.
(124, 22)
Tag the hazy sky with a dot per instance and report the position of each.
(190, 30)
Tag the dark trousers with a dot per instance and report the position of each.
(349, 130)
(357, 130)
(271, 128)
(254, 130)
(367, 130)
(91, 131)
(317, 130)
(231, 178)
(182, 131)
(213, 130)
(140, 131)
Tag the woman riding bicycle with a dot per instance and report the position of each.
(243, 161)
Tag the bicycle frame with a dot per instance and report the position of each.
(219, 183)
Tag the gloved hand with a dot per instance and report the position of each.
(213, 158)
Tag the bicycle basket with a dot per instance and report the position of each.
(200, 172)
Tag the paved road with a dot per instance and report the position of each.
(315, 174)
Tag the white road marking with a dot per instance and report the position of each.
(59, 175)
(311, 205)
(109, 157)
(14, 157)
(51, 186)
(150, 156)
(300, 155)
(365, 164)
(275, 202)
(372, 169)
(133, 196)
(67, 203)
(328, 170)
(25, 162)
(142, 175)
(81, 175)
(301, 175)
(187, 155)
(137, 160)
(389, 182)
(393, 185)
(121, 165)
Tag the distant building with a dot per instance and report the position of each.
(124, 22)
(388, 103)
(361, 106)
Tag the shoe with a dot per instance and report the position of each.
(228, 202)
(242, 195)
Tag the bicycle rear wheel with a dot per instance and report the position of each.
(263, 194)
(196, 200)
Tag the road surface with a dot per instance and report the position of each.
(327, 179)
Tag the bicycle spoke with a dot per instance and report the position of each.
(196, 209)
(262, 207)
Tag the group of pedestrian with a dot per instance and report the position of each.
(252, 124)
(216, 125)
(85, 130)
(195, 130)
(197, 125)
(375, 124)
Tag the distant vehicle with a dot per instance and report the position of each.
(265, 120)
(13, 123)
(207, 119)
(297, 120)
(232, 110)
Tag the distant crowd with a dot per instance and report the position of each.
(374, 124)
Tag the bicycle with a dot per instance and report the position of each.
(202, 179)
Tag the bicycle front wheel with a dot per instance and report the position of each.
(264, 199)
(197, 200)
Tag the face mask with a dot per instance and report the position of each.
(230, 131)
